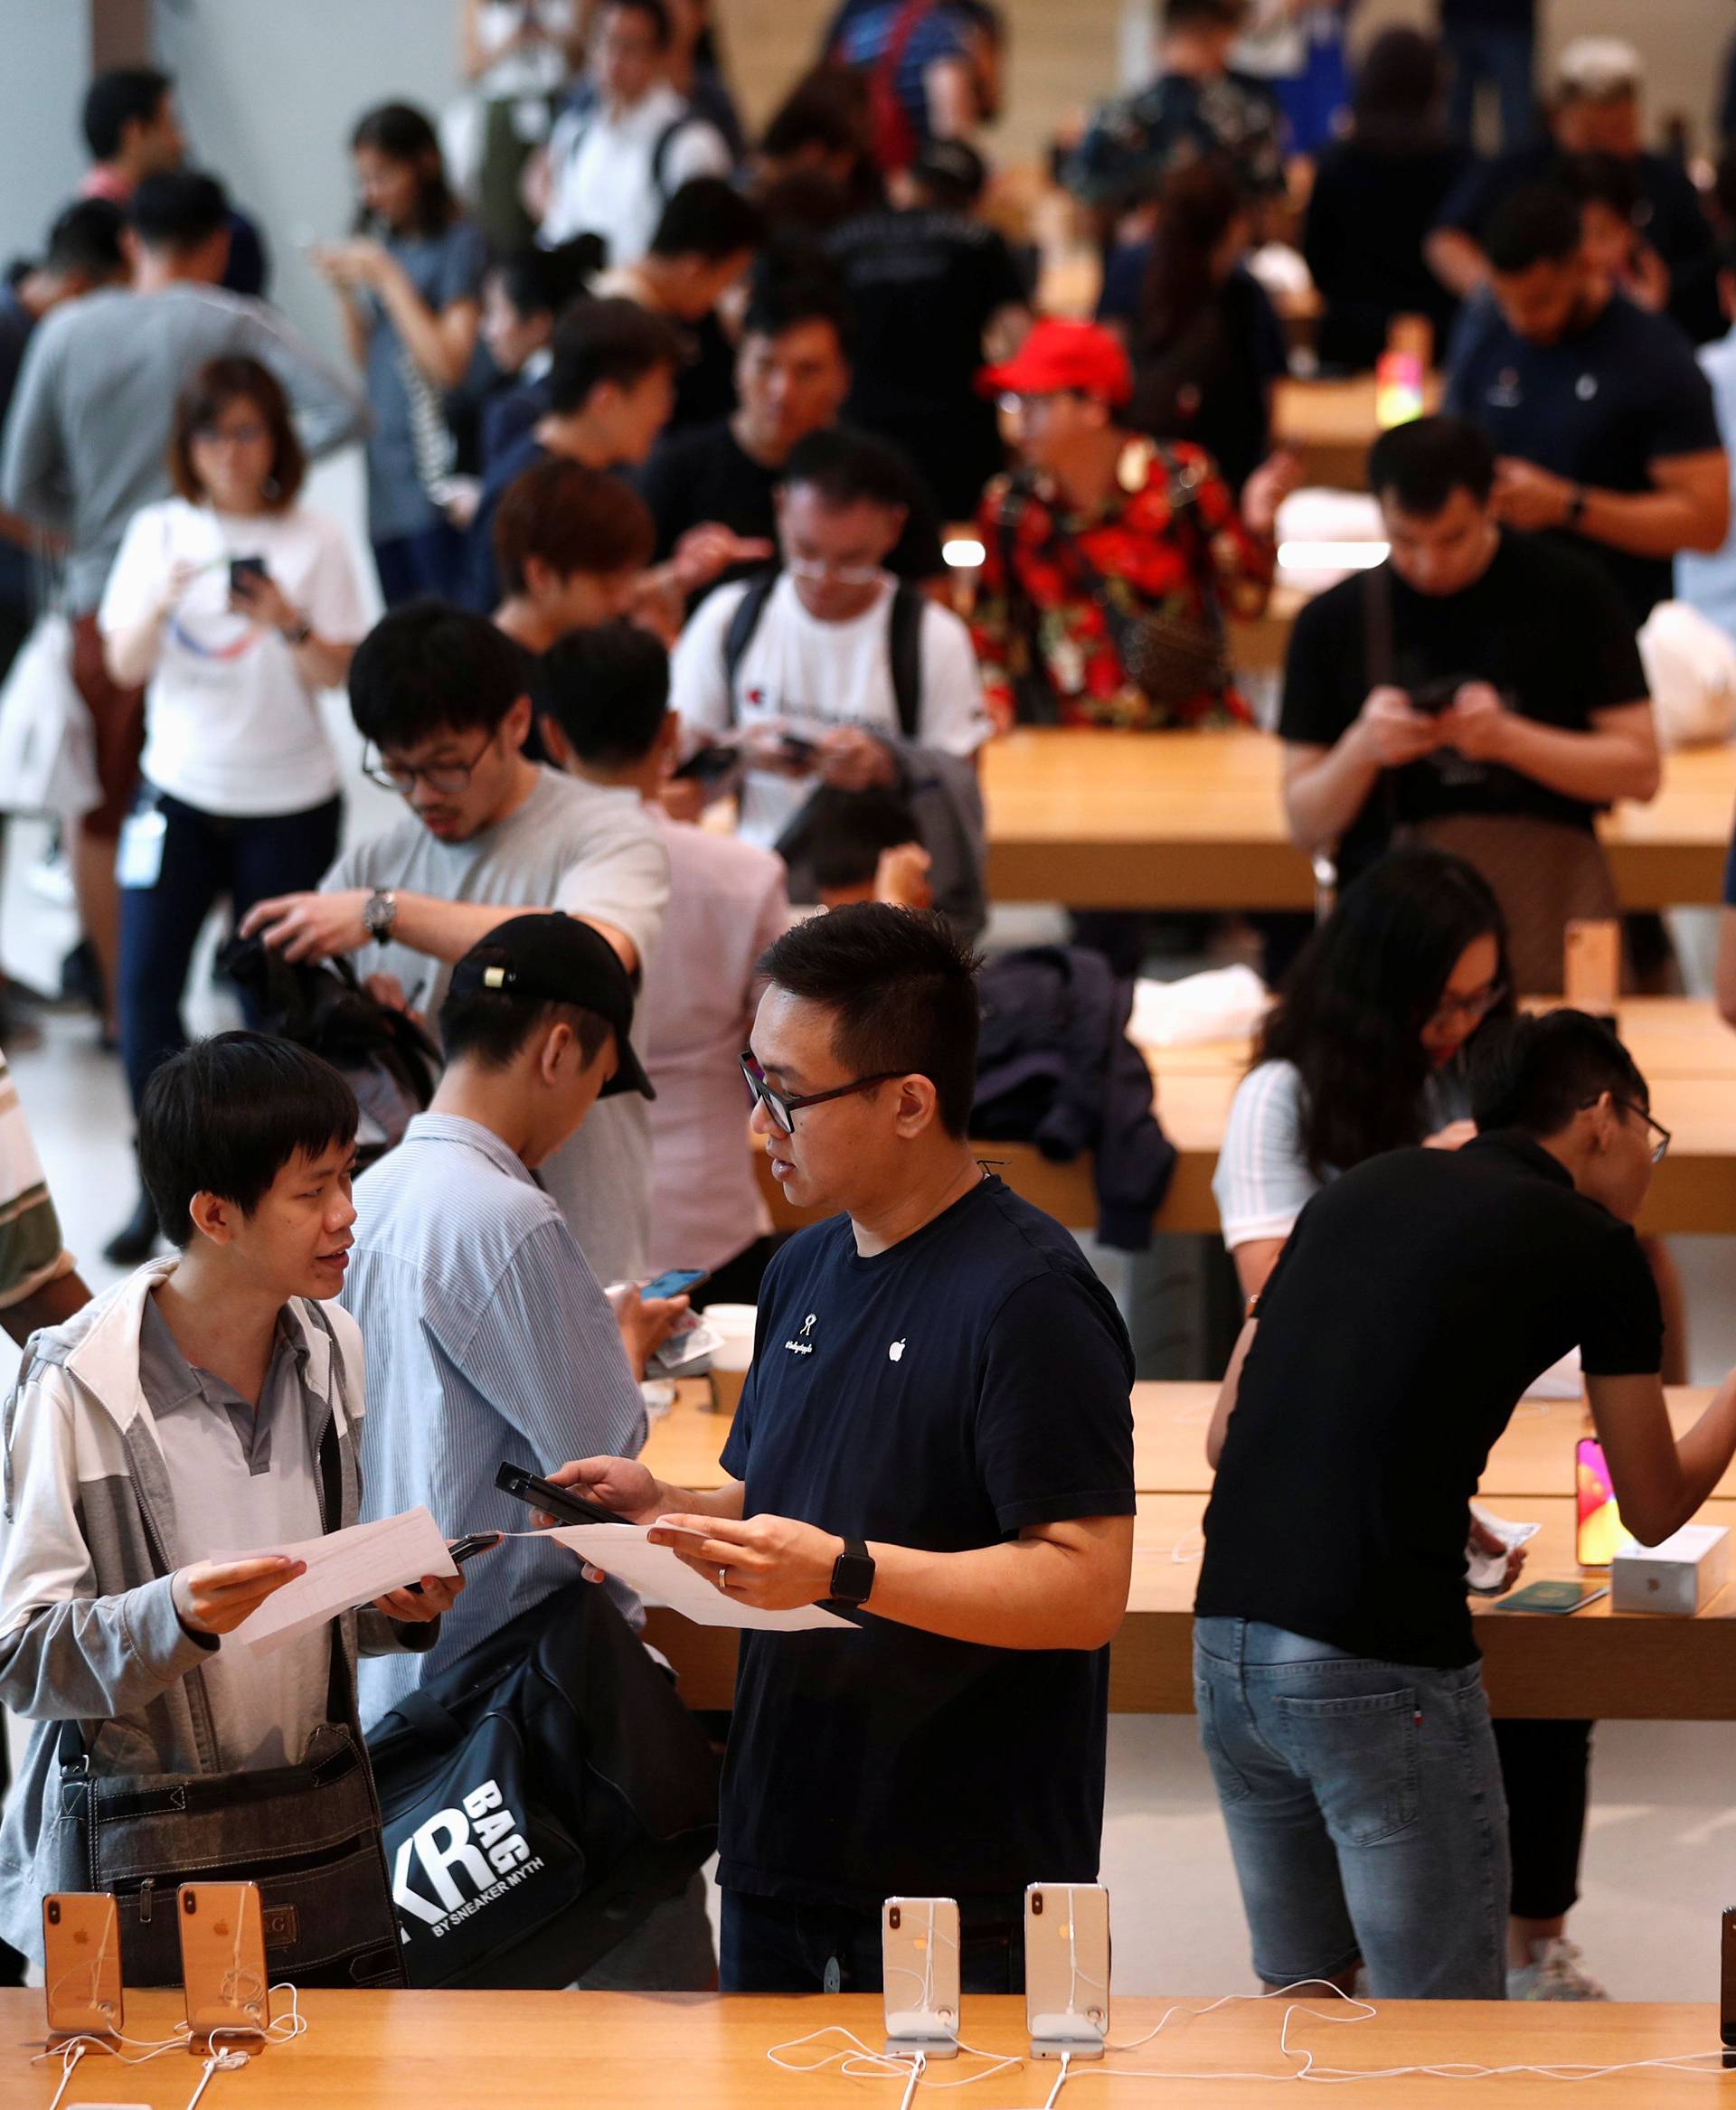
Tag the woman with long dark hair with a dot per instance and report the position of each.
(412, 281)
(1376, 194)
(1366, 1051)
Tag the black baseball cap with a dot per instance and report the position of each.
(552, 958)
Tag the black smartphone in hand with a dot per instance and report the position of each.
(244, 572)
(560, 1502)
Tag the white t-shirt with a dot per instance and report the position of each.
(808, 676)
(230, 725)
(604, 173)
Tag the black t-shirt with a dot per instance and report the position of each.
(1598, 406)
(1209, 382)
(1669, 216)
(1368, 215)
(702, 475)
(1416, 1299)
(972, 1379)
(1540, 626)
(705, 386)
(925, 286)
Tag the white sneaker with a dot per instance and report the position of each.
(1556, 1971)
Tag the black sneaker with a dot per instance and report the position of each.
(136, 1240)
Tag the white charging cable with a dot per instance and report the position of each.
(859, 2061)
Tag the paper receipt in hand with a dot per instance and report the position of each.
(660, 1578)
(345, 1569)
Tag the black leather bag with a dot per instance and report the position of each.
(540, 1798)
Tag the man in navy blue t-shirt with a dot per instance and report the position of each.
(935, 1438)
(1603, 420)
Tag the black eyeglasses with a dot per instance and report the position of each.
(1660, 1149)
(783, 1108)
(447, 778)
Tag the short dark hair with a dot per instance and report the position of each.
(608, 690)
(902, 994)
(426, 668)
(123, 95)
(707, 218)
(575, 519)
(783, 298)
(596, 341)
(543, 282)
(1419, 465)
(1535, 1074)
(214, 388)
(400, 132)
(225, 1115)
(178, 212)
(841, 834)
(1204, 14)
(1538, 224)
(86, 238)
(490, 1027)
(1602, 179)
(655, 13)
(826, 110)
(845, 467)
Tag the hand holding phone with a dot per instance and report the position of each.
(561, 1503)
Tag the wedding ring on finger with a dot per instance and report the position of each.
(722, 1579)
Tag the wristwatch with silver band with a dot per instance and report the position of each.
(380, 915)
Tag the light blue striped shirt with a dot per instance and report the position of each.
(488, 1340)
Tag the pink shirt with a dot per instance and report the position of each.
(726, 905)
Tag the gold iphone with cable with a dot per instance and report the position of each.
(223, 1959)
(81, 1964)
(919, 1949)
(1067, 1969)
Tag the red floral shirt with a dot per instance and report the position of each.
(1150, 552)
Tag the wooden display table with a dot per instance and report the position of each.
(1684, 1049)
(1330, 426)
(1194, 820)
(707, 2051)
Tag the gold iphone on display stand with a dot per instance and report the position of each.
(1067, 1969)
(223, 1959)
(919, 1948)
(81, 1964)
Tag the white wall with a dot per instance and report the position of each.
(269, 92)
(44, 64)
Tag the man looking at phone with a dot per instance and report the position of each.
(1476, 672)
(205, 1401)
(1341, 1701)
(899, 1450)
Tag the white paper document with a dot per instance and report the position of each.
(660, 1578)
(345, 1569)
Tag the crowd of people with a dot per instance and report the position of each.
(672, 431)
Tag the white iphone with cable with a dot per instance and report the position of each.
(919, 1948)
(1067, 1969)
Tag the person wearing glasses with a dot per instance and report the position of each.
(233, 606)
(831, 673)
(438, 696)
(936, 1440)
(1337, 1679)
(1480, 688)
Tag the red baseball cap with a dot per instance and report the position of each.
(1059, 355)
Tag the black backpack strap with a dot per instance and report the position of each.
(909, 607)
(744, 623)
(660, 153)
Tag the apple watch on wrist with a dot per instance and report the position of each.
(853, 1573)
(380, 914)
(1576, 507)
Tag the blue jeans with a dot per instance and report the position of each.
(1365, 1809)
(777, 1945)
(205, 856)
(1505, 58)
(428, 564)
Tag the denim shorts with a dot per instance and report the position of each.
(1365, 1809)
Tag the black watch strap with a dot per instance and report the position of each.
(853, 1573)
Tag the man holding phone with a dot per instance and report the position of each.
(1340, 1695)
(936, 1438)
(1477, 672)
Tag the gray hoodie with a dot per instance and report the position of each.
(87, 1627)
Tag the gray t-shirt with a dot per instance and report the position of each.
(593, 852)
(245, 1481)
(87, 437)
(443, 268)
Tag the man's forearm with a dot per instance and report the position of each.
(1457, 260)
(1707, 1448)
(446, 930)
(1323, 797)
(1652, 523)
(1597, 768)
(51, 1305)
(1026, 1594)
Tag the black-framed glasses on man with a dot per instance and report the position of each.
(783, 1108)
(1660, 1149)
(447, 778)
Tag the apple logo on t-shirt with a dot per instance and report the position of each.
(895, 1353)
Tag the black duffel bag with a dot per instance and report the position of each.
(539, 1798)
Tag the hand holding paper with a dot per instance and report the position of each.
(661, 1576)
(342, 1571)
